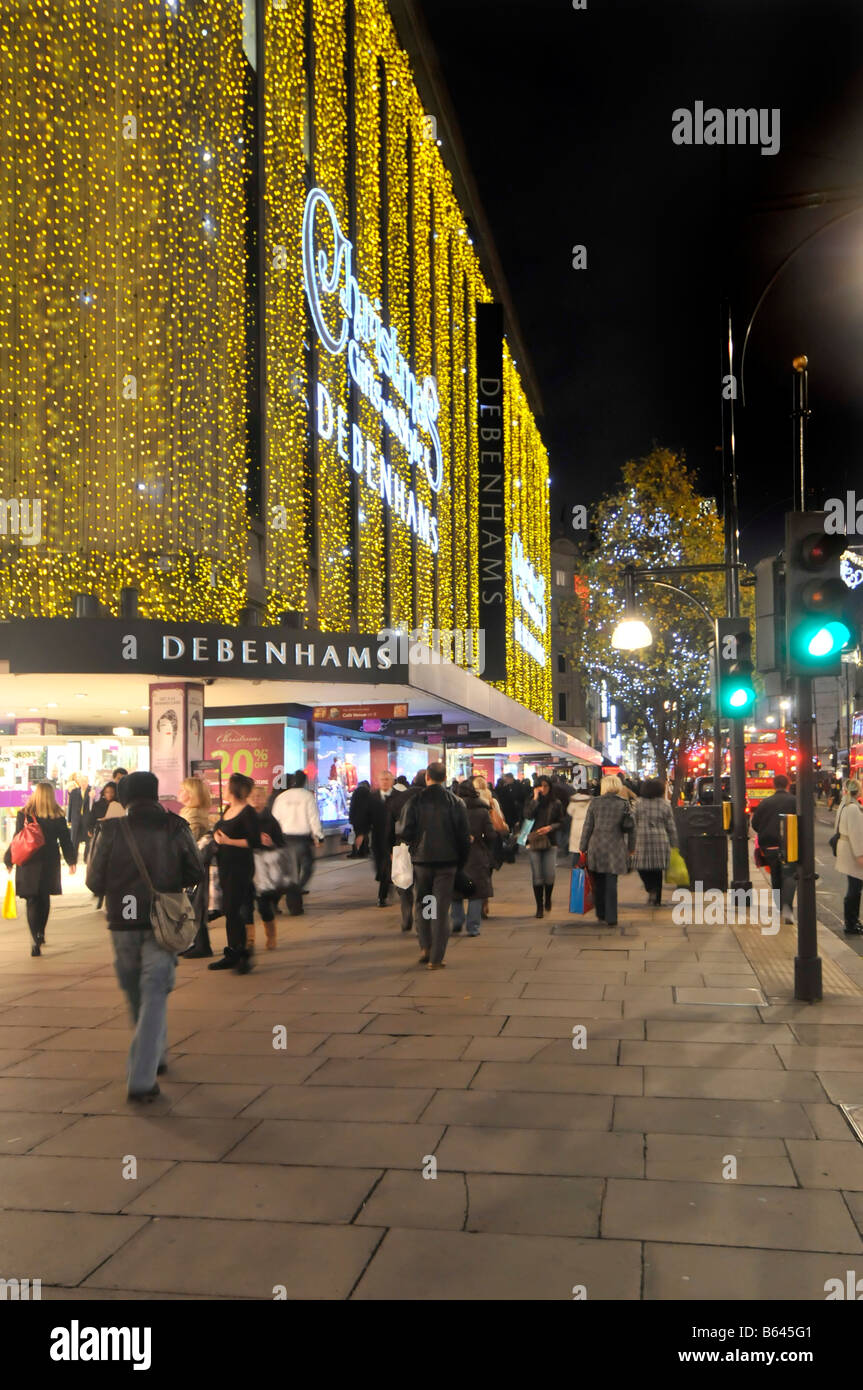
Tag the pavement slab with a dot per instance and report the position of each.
(342, 1144)
(257, 1192)
(567, 1153)
(706, 1272)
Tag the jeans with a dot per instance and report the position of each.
(474, 915)
(605, 897)
(852, 901)
(435, 882)
(783, 880)
(146, 975)
(652, 880)
(299, 859)
(542, 865)
(37, 916)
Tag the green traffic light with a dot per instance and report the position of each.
(740, 697)
(824, 640)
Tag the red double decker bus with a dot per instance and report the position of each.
(767, 753)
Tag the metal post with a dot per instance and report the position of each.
(739, 834)
(800, 416)
(807, 963)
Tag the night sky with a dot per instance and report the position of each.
(567, 118)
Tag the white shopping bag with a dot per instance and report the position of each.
(403, 869)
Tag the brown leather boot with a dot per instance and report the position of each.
(270, 929)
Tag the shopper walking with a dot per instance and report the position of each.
(848, 825)
(608, 839)
(237, 837)
(272, 840)
(381, 849)
(577, 812)
(145, 970)
(478, 867)
(765, 822)
(546, 812)
(37, 879)
(78, 810)
(360, 819)
(434, 825)
(296, 811)
(499, 826)
(197, 802)
(655, 836)
(395, 807)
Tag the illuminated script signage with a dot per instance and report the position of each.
(379, 369)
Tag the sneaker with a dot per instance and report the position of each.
(788, 915)
(856, 930)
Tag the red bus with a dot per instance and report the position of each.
(767, 753)
(855, 752)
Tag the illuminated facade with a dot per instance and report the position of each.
(128, 266)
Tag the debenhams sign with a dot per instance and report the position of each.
(198, 649)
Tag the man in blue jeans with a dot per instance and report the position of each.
(144, 969)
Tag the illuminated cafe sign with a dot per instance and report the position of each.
(529, 594)
(380, 371)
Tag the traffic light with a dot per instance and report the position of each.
(817, 624)
(735, 696)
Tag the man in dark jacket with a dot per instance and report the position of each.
(359, 817)
(434, 825)
(378, 813)
(395, 806)
(765, 823)
(144, 969)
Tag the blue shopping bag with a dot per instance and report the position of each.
(524, 832)
(580, 892)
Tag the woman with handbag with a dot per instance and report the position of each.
(546, 812)
(479, 861)
(655, 837)
(608, 839)
(41, 833)
(499, 825)
(269, 869)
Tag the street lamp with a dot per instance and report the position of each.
(632, 632)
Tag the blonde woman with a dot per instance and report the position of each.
(608, 839)
(37, 880)
(196, 802)
(498, 824)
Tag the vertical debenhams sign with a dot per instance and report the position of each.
(492, 493)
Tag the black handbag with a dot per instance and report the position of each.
(463, 885)
(833, 842)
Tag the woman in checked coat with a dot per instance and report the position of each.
(655, 836)
(608, 839)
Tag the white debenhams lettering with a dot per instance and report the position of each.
(167, 654)
(77, 1343)
(374, 358)
(199, 649)
(224, 649)
(249, 652)
(529, 592)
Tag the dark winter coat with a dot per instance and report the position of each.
(168, 850)
(41, 873)
(359, 810)
(434, 826)
(508, 803)
(379, 817)
(765, 817)
(396, 804)
(268, 825)
(603, 837)
(78, 813)
(483, 843)
(544, 810)
(655, 832)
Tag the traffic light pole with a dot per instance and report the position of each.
(807, 962)
(739, 828)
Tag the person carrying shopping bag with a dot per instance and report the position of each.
(546, 813)
(37, 872)
(655, 837)
(608, 839)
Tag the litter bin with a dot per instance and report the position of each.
(703, 844)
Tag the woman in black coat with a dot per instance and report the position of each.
(483, 839)
(38, 879)
(546, 812)
(360, 817)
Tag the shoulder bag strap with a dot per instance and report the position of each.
(136, 854)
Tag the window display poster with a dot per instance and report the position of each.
(167, 738)
(411, 759)
(255, 749)
(342, 763)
